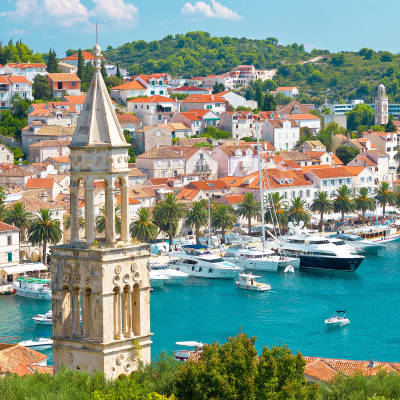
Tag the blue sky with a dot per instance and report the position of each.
(65, 24)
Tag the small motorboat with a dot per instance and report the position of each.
(183, 355)
(174, 276)
(248, 282)
(337, 320)
(43, 319)
(156, 279)
(289, 270)
(43, 341)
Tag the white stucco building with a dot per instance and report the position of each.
(281, 133)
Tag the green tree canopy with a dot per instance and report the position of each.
(346, 153)
(248, 208)
(361, 114)
(41, 88)
(322, 205)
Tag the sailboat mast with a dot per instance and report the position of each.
(261, 187)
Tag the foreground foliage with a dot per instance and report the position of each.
(359, 387)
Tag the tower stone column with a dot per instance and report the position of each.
(102, 275)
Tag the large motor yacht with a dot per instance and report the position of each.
(196, 261)
(316, 252)
(251, 258)
(361, 245)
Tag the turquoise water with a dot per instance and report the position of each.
(293, 312)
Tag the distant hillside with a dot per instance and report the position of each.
(197, 53)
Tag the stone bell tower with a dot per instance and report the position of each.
(105, 280)
(381, 106)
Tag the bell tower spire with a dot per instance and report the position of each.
(104, 277)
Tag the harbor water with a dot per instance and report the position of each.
(292, 313)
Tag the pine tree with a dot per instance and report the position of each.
(3, 59)
(80, 66)
(118, 74)
(103, 71)
(52, 66)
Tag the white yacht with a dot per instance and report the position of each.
(361, 245)
(257, 259)
(174, 277)
(157, 279)
(316, 252)
(196, 261)
(337, 320)
(43, 319)
(33, 287)
(37, 343)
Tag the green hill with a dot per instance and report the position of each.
(346, 75)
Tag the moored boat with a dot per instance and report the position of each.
(43, 319)
(174, 277)
(362, 246)
(37, 343)
(336, 320)
(248, 282)
(33, 288)
(378, 234)
(184, 354)
(157, 279)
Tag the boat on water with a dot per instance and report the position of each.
(197, 261)
(337, 320)
(43, 341)
(289, 270)
(43, 319)
(257, 259)
(157, 279)
(33, 288)
(362, 246)
(319, 253)
(378, 234)
(174, 277)
(184, 354)
(248, 282)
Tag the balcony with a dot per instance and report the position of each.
(161, 109)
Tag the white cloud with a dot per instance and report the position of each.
(217, 11)
(17, 32)
(3, 14)
(23, 8)
(67, 11)
(115, 10)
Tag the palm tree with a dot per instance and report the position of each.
(3, 196)
(44, 230)
(197, 216)
(297, 210)
(364, 202)
(385, 195)
(323, 205)
(248, 208)
(275, 203)
(142, 228)
(100, 220)
(223, 217)
(169, 210)
(18, 216)
(343, 200)
(67, 220)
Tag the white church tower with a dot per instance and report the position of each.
(106, 278)
(381, 106)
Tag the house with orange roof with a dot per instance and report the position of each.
(328, 179)
(287, 91)
(129, 121)
(197, 120)
(38, 152)
(282, 133)
(378, 162)
(129, 89)
(48, 185)
(154, 110)
(361, 144)
(61, 164)
(287, 183)
(312, 145)
(87, 58)
(196, 81)
(236, 160)
(309, 121)
(52, 116)
(4, 93)
(239, 123)
(204, 102)
(155, 84)
(20, 86)
(27, 70)
(62, 84)
(295, 108)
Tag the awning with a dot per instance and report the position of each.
(22, 268)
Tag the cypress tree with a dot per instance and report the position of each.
(259, 97)
(81, 63)
(3, 59)
(52, 66)
(118, 74)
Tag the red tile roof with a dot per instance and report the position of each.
(234, 199)
(132, 85)
(287, 109)
(51, 143)
(60, 159)
(26, 65)
(270, 178)
(127, 118)
(131, 201)
(355, 171)
(189, 89)
(284, 88)
(62, 77)
(6, 227)
(302, 116)
(232, 181)
(208, 185)
(187, 194)
(87, 55)
(19, 79)
(329, 172)
(204, 98)
(278, 123)
(153, 99)
(39, 183)
(17, 360)
(336, 160)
